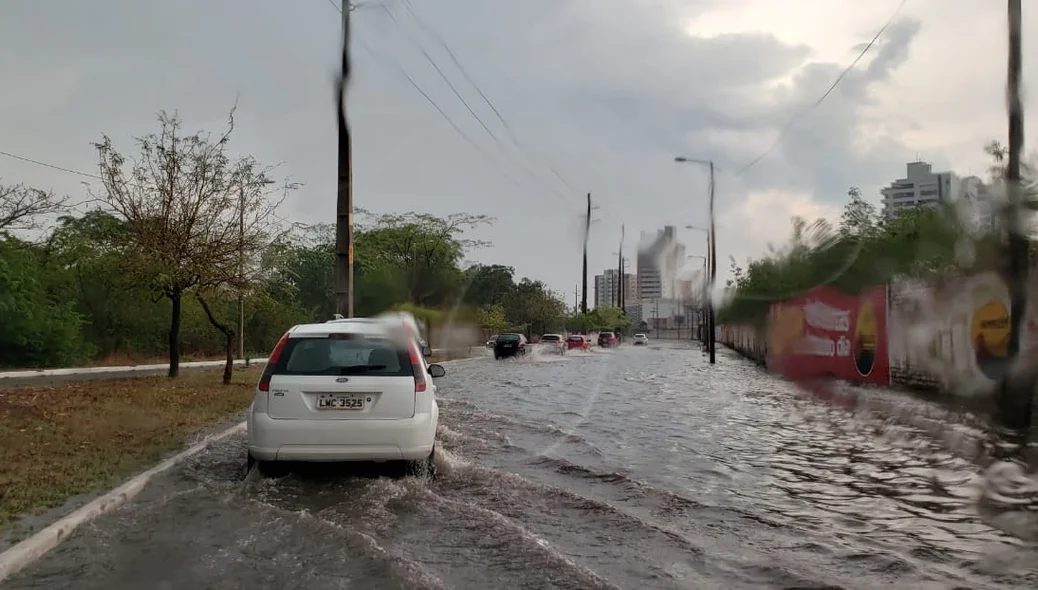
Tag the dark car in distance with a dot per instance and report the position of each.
(508, 345)
(607, 340)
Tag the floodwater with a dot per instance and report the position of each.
(641, 468)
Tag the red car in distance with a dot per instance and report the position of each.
(579, 342)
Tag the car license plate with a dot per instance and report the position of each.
(506, 346)
(340, 402)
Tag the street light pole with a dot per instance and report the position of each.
(711, 253)
(713, 268)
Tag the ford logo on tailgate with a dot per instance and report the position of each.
(342, 380)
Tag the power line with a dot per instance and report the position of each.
(428, 98)
(461, 132)
(468, 107)
(825, 95)
(51, 166)
(490, 104)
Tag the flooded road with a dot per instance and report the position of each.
(638, 468)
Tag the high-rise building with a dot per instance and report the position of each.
(660, 258)
(608, 285)
(920, 186)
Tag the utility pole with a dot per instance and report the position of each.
(620, 272)
(576, 298)
(587, 237)
(1015, 399)
(343, 271)
(713, 267)
(656, 318)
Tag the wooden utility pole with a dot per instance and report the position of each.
(587, 237)
(343, 271)
(1016, 398)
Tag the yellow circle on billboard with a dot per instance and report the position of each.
(866, 334)
(989, 336)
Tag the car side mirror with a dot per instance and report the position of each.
(426, 351)
(437, 371)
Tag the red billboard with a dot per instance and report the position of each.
(825, 333)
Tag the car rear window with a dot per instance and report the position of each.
(508, 338)
(354, 355)
(550, 338)
(576, 338)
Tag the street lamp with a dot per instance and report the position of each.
(712, 252)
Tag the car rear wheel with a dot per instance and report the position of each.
(423, 467)
(267, 469)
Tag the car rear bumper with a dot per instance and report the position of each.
(341, 440)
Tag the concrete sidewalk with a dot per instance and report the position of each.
(22, 377)
(83, 373)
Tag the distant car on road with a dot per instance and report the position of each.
(640, 339)
(491, 341)
(578, 342)
(345, 390)
(607, 340)
(508, 345)
(553, 343)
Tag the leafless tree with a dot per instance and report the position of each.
(198, 215)
(20, 206)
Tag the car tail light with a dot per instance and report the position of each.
(416, 367)
(268, 370)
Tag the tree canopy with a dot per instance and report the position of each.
(867, 248)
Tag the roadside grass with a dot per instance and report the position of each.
(79, 437)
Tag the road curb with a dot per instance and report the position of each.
(132, 370)
(29, 550)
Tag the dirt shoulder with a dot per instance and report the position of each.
(60, 442)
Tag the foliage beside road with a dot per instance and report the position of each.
(80, 437)
(183, 232)
(866, 249)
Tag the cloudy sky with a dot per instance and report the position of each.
(594, 96)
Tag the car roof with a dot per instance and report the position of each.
(364, 326)
(559, 335)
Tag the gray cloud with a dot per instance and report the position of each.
(605, 91)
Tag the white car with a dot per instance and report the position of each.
(553, 343)
(345, 390)
(640, 339)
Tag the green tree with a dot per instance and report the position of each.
(192, 210)
(534, 309)
(492, 319)
(423, 249)
(39, 329)
(489, 284)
